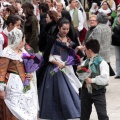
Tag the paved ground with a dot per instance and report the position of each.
(112, 95)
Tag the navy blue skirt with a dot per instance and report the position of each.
(57, 98)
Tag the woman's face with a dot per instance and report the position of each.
(105, 6)
(64, 29)
(93, 22)
(17, 24)
(11, 26)
(48, 19)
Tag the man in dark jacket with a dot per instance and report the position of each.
(116, 44)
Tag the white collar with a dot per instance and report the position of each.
(9, 53)
(105, 11)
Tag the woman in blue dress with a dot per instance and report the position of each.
(59, 93)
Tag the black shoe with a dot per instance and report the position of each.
(117, 77)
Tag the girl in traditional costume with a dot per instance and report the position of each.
(106, 9)
(14, 103)
(11, 22)
(111, 4)
(93, 9)
(59, 93)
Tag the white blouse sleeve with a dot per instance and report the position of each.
(1, 43)
(113, 6)
(81, 20)
(103, 78)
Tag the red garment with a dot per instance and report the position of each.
(117, 2)
(5, 40)
(82, 35)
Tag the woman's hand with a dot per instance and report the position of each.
(82, 48)
(29, 76)
(61, 65)
(2, 95)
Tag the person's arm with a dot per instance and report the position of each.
(82, 48)
(114, 24)
(103, 78)
(52, 58)
(54, 61)
(113, 6)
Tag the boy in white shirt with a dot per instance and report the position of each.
(98, 79)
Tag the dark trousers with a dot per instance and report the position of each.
(98, 98)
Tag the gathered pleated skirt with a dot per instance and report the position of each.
(58, 99)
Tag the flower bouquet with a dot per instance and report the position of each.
(31, 62)
(83, 73)
(73, 59)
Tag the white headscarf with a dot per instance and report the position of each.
(84, 15)
(14, 38)
(93, 10)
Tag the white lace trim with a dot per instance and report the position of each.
(9, 53)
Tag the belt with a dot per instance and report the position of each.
(13, 72)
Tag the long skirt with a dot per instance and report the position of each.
(59, 96)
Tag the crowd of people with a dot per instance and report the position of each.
(60, 33)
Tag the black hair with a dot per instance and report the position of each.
(93, 44)
(62, 21)
(71, 34)
(44, 6)
(12, 19)
(66, 15)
